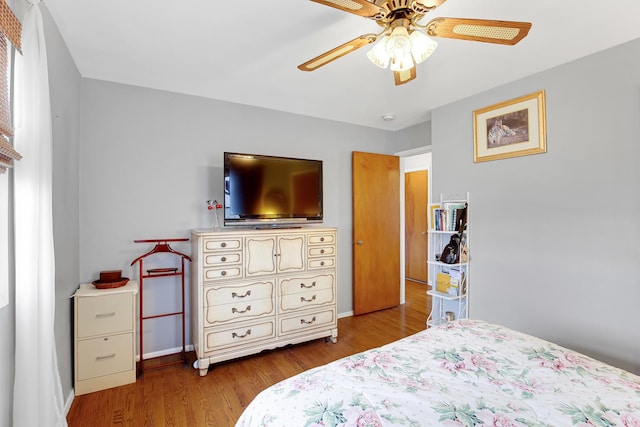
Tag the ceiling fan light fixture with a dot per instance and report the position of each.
(421, 46)
(400, 51)
(402, 63)
(378, 54)
(398, 43)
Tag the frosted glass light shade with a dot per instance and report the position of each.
(401, 63)
(421, 46)
(378, 53)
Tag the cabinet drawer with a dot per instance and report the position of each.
(104, 314)
(306, 300)
(217, 339)
(227, 272)
(218, 295)
(219, 259)
(107, 355)
(301, 322)
(218, 244)
(322, 239)
(244, 310)
(315, 251)
(317, 263)
(303, 284)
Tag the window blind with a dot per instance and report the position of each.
(10, 30)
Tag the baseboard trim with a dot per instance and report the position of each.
(67, 405)
(164, 352)
(345, 314)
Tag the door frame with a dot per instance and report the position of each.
(408, 161)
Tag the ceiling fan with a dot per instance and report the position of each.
(402, 42)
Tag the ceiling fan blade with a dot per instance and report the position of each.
(403, 77)
(480, 30)
(337, 52)
(357, 7)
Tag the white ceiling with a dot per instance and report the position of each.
(247, 51)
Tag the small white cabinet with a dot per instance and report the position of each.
(253, 290)
(104, 330)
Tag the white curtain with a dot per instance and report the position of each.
(37, 399)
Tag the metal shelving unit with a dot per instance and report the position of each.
(454, 302)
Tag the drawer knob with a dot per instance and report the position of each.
(223, 273)
(308, 322)
(322, 239)
(321, 262)
(303, 299)
(235, 295)
(223, 244)
(235, 310)
(235, 335)
(321, 251)
(223, 259)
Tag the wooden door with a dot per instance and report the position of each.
(376, 232)
(415, 221)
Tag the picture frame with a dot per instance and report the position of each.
(510, 129)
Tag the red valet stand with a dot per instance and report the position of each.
(162, 245)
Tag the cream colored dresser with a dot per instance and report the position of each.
(104, 337)
(253, 290)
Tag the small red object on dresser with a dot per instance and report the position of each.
(110, 279)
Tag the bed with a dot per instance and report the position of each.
(463, 373)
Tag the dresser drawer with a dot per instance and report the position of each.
(303, 284)
(301, 322)
(226, 272)
(318, 263)
(305, 300)
(104, 314)
(321, 239)
(244, 310)
(104, 356)
(220, 259)
(216, 339)
(220, 243)
(316, 251)
(219, 295)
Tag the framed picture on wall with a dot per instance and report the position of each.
(510, 129)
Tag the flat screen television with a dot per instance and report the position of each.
(271, 191)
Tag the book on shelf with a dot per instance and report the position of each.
(442, 282)
(457, 281)
(448, 217)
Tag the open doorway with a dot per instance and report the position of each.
(415, 198)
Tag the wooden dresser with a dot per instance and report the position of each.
(253, 290)
(105, 350)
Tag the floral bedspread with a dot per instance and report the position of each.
(464, 373)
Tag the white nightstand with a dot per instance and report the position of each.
(105, 332)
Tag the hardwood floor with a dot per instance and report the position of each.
(178, 396)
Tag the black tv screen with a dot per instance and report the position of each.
(260, 189)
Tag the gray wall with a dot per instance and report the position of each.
(554, 236)
(412, 137)
(149, 161)
(65, 84)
